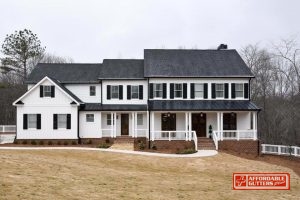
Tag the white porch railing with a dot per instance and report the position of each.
(215, 139)
(280, 150)
(141, 133)
(236, 135)
(7, 128)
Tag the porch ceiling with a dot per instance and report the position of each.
(211, 105)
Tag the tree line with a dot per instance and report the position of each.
(275, 88)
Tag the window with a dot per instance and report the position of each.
(178, 90)
(32, 121)
(239, 90)
(229, 121)
(108, 119)
(89, 117)
(140, 119)
(92, 90)
(47, 91)
(199, 90)
(134, 92)
(158, 90)
(61, 121)
(115, 92)
(220, 90)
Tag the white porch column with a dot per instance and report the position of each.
(186, 126)
(190, 126)
(100, 126)
(221, 124)
(115, 124)
(132, 124)
(147, 118)
(218, 126)
(112, 124)
(152, 126)
(135, 124)
(254, 125)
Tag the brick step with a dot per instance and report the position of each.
(205, 144)
(124, 140)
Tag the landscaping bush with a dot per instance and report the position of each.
(74, 142)
(41, 142)
(33, 142)
(187, 151)
(66, 143)
(89, 142)
(103, 146)
(24, 142)
(154, 147)
(107, 141)
(58, 143)
(141, 145)
(50, 142)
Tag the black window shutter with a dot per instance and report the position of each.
(233, 90)
(141, 92)
(246, 92)
(171, 90)
(151, 91)
(192, 90)
(54, 121)
(226, 90)
(128, 92)
(205, 90)
(52, 91)
(68, 121)
(25, 122)
(184, 90)
(164, 90)
(38, 121)
(213, 90)
(108, 91)
(41, 91)
(120, 91)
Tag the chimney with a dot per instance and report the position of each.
(222, 46)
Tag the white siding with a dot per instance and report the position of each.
(82, 91)
(124, 100)
(200, 80)
(89, 129)
(243, 120)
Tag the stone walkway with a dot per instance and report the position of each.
(200, 153)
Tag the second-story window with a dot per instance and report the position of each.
(178, 90)
(199, 91)
(158, 90)
(134, 92)
(47, 91)
(92, 90)
(239, 90)
(115, 92)
(220, 90)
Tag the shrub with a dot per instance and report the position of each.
(66, 142)
(103, 145)
(154, 147)
(187, 151)
(33, 142)
(74, 142)
(58, 143)
(141, 145)
(24, 142)
(41, 142)
(89, 142)
(50, 142)
(107, 141)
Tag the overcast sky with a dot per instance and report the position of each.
(89, 31)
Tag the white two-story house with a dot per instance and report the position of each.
(169, 95)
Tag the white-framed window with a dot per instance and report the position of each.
(134, 92)
(92, 90)
(219, 90)
(158, 90)
(89, 117)
(239, 90)
(47, 91)
(199, 90)
(178, 90)
(109, 120)
(62, 121)
(32, 121)
(115, 92)
(140, 119)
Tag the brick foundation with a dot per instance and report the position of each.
(248, 147)
(46, 142)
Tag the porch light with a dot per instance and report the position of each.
(169, 114)
(201, 114)
(232, 114)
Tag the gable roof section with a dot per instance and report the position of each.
(122, 69)
(194, 63)
(54, 82)
(66, 73)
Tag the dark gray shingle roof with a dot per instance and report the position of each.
(194, 63)
(122, 69)
(66, 73)
(211, 105)
(113, 107)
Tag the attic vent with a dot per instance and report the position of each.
(222, 46)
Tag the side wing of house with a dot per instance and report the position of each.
(47, 111)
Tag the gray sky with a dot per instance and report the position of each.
(89, 31)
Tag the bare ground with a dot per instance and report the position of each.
(66, 174)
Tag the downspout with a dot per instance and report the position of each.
(79, 139)
(249, 92)
(149, 125)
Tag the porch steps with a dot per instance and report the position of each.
(123, 143)
(206, 144)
